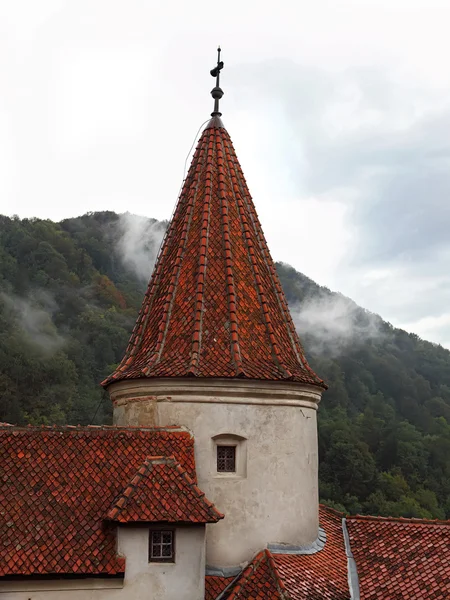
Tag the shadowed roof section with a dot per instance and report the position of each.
(214, 306)
(214, 586)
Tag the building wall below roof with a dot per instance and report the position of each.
(274, 497)
(182, 580)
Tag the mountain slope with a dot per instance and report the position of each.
(69, 295)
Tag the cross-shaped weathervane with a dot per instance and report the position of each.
(217, 92)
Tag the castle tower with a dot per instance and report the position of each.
(214, 349)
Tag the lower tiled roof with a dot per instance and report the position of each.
(401, 558)
(395, 559)
(322, 575)
(56, 484)
(318, 576)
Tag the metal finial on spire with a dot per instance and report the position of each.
(217, 92)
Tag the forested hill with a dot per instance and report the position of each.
(69, 295)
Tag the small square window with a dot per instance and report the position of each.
(162, 545)
(226, 459)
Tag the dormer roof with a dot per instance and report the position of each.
(161, 491)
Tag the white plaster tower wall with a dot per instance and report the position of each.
(273, 495)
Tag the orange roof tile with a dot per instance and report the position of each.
(162, 491)
(401, 558)
(56, 483)
(214, 305)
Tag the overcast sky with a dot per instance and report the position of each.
(339, 112)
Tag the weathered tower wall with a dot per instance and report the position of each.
(273, 495)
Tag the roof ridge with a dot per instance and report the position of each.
(121, 502)
(228, 256)
(149, 296)
(96, 428)
(202, 262)
(249, 243)
(283, 591)
(138, 328)
(127, 493)
(251, 569)
(332, 510)
(193, 485)
(167, 311)
(237, 186)
(281, 299)
(245, 575)
(411, 520)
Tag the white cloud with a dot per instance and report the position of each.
(333, 322)
(139, 243)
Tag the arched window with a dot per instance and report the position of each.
(229, 457)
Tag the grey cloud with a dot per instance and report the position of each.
(382, 146)
(406, 217)
(34, 316)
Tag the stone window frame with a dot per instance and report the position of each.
(161, 559)
(240, 444)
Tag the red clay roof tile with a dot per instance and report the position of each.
(401, 558)
(215, 585)
(162, 491)
(56, 483)
(259, 580)
(319, 576)
(214, 305)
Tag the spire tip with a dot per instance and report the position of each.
(217, 91)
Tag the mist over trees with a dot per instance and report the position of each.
(69, 296)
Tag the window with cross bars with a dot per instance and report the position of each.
(162, 545)
(226, 459)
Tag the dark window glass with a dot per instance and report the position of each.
(226, 459)
(162, 548)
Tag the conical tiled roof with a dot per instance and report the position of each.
(214, 306)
